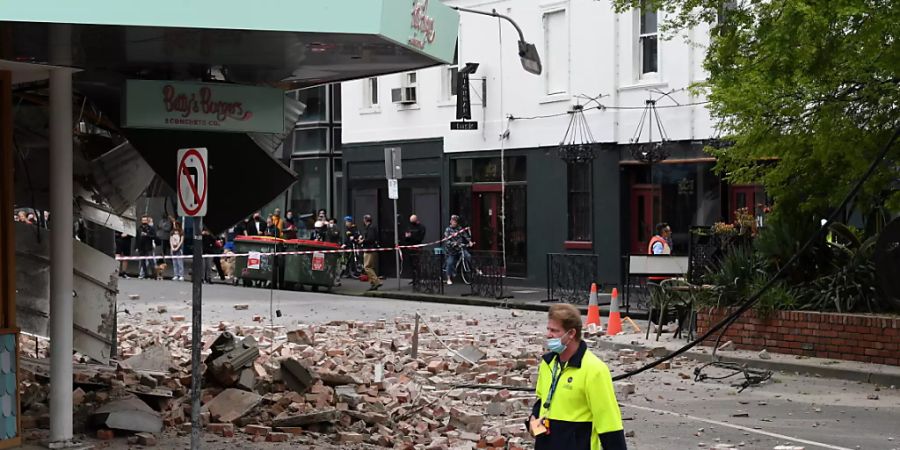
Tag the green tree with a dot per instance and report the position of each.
(806, 90)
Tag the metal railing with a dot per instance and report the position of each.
(488, 274)
(429, 277)
(569, 277)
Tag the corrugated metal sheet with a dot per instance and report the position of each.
(121, 175)
(293, 109)
(96, 285)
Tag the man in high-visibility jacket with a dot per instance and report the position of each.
(576, 406)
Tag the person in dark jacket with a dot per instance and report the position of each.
(334, 234)
(210, 247)
(146, 235)
(123, 248)
(258, 227)
(414, 235)
(163, 233)
(370, 240)
(351, 233)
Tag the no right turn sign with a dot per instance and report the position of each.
(193, 182)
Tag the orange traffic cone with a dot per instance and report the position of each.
(614, 325)
(593, 316)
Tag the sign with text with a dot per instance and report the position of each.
(192, 182)
(463, 125)
(203, 106)
(393, 189)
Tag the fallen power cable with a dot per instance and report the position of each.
(727, 321)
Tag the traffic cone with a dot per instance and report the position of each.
(593, 316)
(614, 324)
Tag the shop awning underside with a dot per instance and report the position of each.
(289, 44)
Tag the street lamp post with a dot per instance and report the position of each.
(528, 54)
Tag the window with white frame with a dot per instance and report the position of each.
(370, 92)
(406, 93)
(450, 77)
(556, 52)
(648, 44)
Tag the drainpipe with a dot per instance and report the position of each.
(691, 62)
(615, 90)
(61, 256)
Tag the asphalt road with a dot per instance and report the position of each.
(668, 411)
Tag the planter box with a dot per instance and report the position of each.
(852, 337)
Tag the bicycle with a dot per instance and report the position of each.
(352, 261)
(463, 266)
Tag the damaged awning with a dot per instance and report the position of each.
(288, 44)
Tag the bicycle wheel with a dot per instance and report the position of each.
(354, 268)
(464, 268)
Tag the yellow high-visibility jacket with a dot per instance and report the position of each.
(583, 409)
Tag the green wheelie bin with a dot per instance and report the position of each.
(316, 269)
(260, 265)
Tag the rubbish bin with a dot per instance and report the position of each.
(316, 269)
(261, 264)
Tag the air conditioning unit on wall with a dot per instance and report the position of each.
(404, 95)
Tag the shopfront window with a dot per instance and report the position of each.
(476, 195)
(310, 192)
(310, 141)
(683, 195)
(315, 100)
(487, 170)
(579, 186)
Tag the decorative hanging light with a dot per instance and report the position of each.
(650, 152)
(577, 145)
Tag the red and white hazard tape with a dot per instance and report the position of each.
(398, 248)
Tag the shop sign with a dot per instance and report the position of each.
(422, 26)
(203, 106)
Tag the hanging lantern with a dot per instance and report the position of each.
(577, 145)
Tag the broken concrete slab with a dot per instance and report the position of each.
(155, 358)
(469, 353)
(231, 405)
(128, 414)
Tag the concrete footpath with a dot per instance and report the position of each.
(879, 374)
(528, 298)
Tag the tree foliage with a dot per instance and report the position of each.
(807, 91)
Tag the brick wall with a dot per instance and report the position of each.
(853, 337)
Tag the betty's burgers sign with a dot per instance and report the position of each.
(203, 106)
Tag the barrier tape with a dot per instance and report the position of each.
(398, 248)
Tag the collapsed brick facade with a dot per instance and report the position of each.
(853, 337)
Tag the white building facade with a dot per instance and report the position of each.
(610, 64)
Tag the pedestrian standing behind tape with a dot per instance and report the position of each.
(576, 406)
(370, 240)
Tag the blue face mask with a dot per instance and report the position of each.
(555, 345)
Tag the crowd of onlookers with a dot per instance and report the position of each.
(165, 237)
(30, 218)
(322, 228)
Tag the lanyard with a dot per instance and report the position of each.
(554, 381)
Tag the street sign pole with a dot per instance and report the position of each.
(197, 275)
(192, 186)
(393, 171)
(396, 244)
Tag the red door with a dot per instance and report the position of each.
(742, 197)
(645, 204)
(486, 217)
